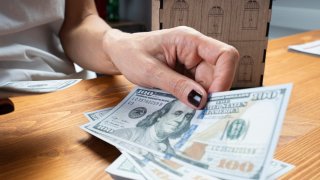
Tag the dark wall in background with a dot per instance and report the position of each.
(136, 10)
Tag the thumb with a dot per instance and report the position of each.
(185, 89)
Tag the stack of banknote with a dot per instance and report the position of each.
(19, 88)
(233, 137)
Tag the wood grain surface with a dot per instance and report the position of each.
(41, 139)
(299, 143)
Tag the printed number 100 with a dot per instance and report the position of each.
(235, 165)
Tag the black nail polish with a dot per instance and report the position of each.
(194, 98)
(6, 107)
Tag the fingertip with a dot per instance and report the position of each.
(196, 99)
(190, 93)
(183, 88)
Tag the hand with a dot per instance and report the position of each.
(180, 60)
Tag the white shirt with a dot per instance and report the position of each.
(30, 48)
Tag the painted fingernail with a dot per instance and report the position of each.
(194, 98)
(6, 107)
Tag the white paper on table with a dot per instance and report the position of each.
(309, 48)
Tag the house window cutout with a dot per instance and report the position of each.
(179, 13)
(215, 21)
(251, 15)
(245, 69)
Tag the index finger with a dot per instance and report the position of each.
(225, 59)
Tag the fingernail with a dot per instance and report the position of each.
(194, 98)
(6, 107)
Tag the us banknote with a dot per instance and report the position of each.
(38, 86)
(168, 169)
(96, 115)
(123, 168)
(131, 165)
(138, 167)
(154, 170)
(233, 137)
(159, 169)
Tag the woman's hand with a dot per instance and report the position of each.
(180, 60)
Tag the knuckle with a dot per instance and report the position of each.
(184, 28)
(179, 87)
(232, 53)
(187, 30)
(149, 69)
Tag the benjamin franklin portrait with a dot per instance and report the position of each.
(154, 131)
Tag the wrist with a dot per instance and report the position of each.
(110, 39)
(110, 47)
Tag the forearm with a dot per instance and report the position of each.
(82, 35)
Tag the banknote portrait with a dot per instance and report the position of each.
(154, 131)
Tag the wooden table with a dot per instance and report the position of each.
(300, 137)
(41, 139)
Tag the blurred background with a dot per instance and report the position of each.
(288, 16)
(294, 16)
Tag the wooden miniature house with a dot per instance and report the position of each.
(243, 24)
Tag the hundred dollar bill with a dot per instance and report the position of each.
(16, 88)
(96, 115)
(125, 167)
(121, 167)
(168, 169)
(233, 137)
(152, 167)
(159, 170)
(278, 168)
(129, 166)
(160, 173)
